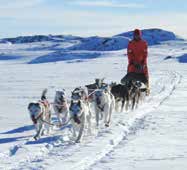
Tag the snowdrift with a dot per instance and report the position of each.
(180, 59)
(102, 44)
(183, 58)
(9, 57)
(64, 56)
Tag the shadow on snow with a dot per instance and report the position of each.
(20, 129)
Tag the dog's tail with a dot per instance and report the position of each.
(43, 96)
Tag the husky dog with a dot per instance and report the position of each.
(40, 115)
(121, 94)
(99, 83)
(80, 118)
(79, 93)
(135, 93)
(60, 106)
(104, 104)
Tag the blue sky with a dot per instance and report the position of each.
(90, 17)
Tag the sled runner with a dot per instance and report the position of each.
(139, 78)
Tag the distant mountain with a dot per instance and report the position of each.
(96, 43)
(40, 38)
(120, 41)
(102, 43)
(153, 36)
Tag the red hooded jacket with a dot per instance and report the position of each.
(137, 54)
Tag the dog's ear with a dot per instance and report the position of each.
(71, 103)
(37, 104)
(108, 87)
(79, 103)
(102, 80)
(29, 106)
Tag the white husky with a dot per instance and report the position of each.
(40, 115)
(80, 118)
(104, 104)
(60, 106)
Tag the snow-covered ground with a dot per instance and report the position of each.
(154, 136)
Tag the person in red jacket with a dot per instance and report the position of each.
(137, 59)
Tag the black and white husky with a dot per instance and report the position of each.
(104, 105)
(80, 118)
(80, 93)
(40, 115)
(60, 106)
(121, 94)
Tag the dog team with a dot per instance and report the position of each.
(96, 102)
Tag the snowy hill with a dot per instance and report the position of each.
(102, 44)
(40, 38)
(55, 48)
(86, 48)
(65, 56)
(118, 42)
(96, 43)
(154, 36)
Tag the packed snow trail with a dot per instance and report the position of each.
(160, 143)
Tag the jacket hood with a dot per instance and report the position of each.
(138, 32)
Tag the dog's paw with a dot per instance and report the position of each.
(43, 133)
(89, 132)
(77, 141)
(106, 124)
(101, 116)
(35, 138)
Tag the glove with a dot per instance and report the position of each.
(139, 67)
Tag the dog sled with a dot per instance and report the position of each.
(139, 79)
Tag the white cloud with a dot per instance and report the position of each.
(107, 3)
(17, 4)
(47, 19)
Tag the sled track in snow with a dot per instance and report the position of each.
(55, 151)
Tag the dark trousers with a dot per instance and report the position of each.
(134, 76)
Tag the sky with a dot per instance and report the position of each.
(90, 17)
